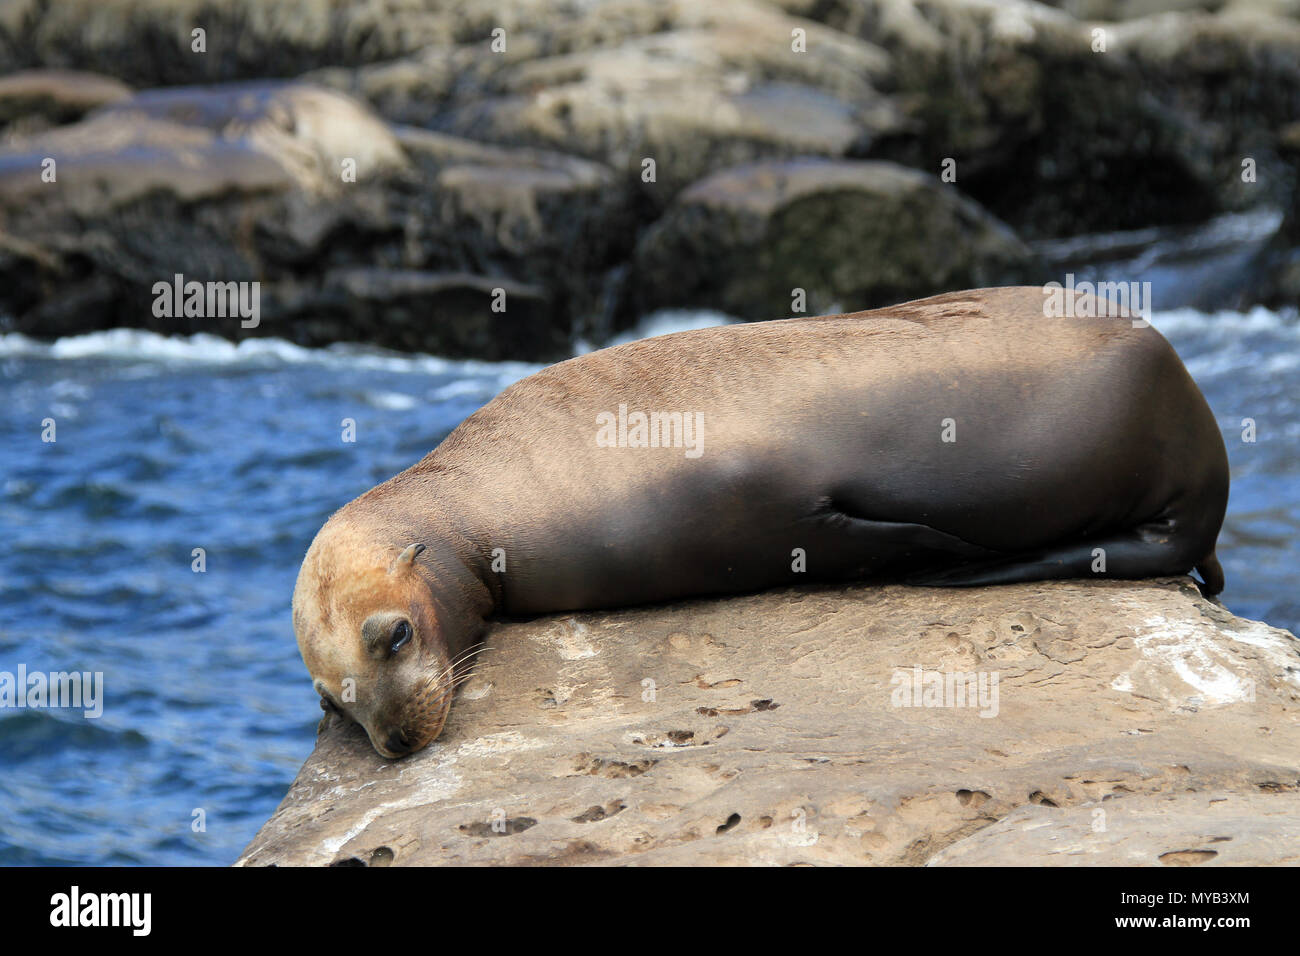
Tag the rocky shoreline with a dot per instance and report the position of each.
(1110, 723)
(403, 184)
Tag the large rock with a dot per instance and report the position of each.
(714, 85)
(245, 182)
(1133, 722)
(1135, 9)
(1273, 278)
(198, 143)
(151, 42)
(551, 220)
(1259, 827)
(851, 234)
(694, 86)
(36, 99)
(1055, 136)
(1235, 77)
(1058, 137)
(1052, 135)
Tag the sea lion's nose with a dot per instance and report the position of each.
(397, 742)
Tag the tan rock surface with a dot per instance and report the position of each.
(1259, 828)
(767, 729)
(717, 84)
(196, 143)
(55, 96)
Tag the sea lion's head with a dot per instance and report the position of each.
(369, 632)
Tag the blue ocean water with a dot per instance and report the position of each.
(167, 445)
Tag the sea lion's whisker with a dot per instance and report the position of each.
(450, 673)
(467, 655)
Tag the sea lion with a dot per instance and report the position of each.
(964, 439)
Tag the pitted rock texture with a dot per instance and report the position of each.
(1133, 722)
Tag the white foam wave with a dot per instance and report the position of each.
(395, 401)
(459, 389)
(1227, 323)
(202, 348)
(1260, 342)
(139, 346)
(665, 322)
(143, 348)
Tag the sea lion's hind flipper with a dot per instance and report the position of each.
(1211, 572)
(1127, 556)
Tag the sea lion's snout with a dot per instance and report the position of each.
(397, 744)
(410, 713)
(404, 711)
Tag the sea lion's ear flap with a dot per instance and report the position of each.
(407, 558)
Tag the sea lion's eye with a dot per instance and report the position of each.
(401, 634)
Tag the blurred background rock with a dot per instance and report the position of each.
(795, 144)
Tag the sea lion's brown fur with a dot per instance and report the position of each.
(1074, 436)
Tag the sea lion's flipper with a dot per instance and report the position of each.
(1211, 573)
(1132, 555)
(863, 547)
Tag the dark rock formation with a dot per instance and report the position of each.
(852, 235)
(245, 182)
(568, 167)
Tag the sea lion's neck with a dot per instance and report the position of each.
(459, 584)
(421, 509)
